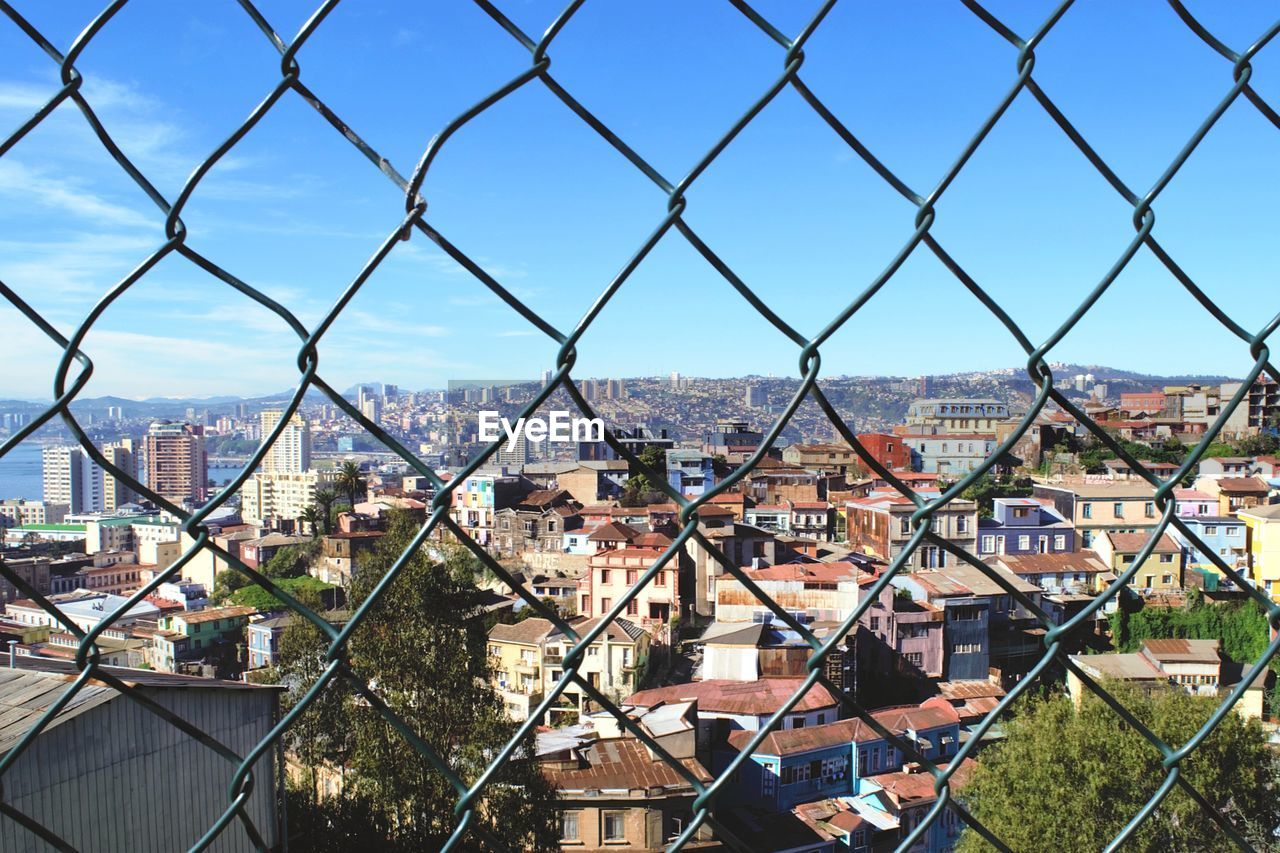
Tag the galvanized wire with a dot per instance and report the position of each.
(76, 367)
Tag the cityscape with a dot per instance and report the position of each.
(552, 426)
(693, 657)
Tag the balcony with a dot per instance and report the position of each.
(552, 660)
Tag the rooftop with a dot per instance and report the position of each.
(622, 763)
(755, 698)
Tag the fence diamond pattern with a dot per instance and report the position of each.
(76, 366)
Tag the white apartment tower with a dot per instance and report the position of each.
(71, 477)
(291, 451)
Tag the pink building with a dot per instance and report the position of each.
(616, 567)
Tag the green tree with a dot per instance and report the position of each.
(1081, 775)
(310, 519)
(424, 653)
(324, 504)
(292, 561)
(350, 482)
(225, 583)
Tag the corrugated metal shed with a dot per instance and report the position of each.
(108, 774)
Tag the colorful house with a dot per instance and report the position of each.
(1262, 525)
(1160, 572)
(1024, 526)
(1223, 536)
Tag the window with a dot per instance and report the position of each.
(1210, 530)
(916, 659)
(1086, 510)
(1166, 558)
(875, 623)
(568, 826)
(1024, 543)
(614, 828)
(604, 576)
(1167, 580)
(1117, 509)
(799, 773)
(820, 719)
(966, 648)
(551, 525)
(633, 607)
(593, 650)
(904, 526)
(988, 544)
(660, 579)
(605, 604)
(1060, 543)
(962, 524)
(1149, 510)
(631, 576)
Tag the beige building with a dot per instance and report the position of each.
(270, 498)
(1098, 508)
(177, 465)
(19, 512)
(1195, 666)
(124, 456)
(516, 660)
(527, 660)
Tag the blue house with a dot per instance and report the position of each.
(849, 764)
(1024, 526)
(1223, 536)
(264, 640)
(690, 472)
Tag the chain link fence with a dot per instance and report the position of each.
(76, 367)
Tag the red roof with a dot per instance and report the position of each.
(818, 572)
(756, 698)
(1134, 542)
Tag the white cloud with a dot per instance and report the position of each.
(40, 186)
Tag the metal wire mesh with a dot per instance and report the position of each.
(75, 368)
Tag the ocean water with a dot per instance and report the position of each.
(21, 474)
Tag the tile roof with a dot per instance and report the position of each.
(756, 698)
(1255, 485)
(527, 631)
(614, 531)
(1135, 542)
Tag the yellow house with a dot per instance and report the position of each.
(1160, 572)
(515, 660)
(1262, 525)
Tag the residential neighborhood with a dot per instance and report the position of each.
(701, 641)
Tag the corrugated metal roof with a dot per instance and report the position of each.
(31, 688)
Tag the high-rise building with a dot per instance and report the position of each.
(72, 477)
(177, 465)
(756, 397)
(389, 391)
(291, 451)
(115, 413)
(124, 456)
(589, 389)
(614, 389)
(513, 454)
(546, 376)
(675, 381)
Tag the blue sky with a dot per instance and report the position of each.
(553, 212)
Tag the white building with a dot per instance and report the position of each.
(291, 451)
(281, 496)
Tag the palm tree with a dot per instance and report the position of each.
(324, 503)
(350, 481)
(311, 518)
